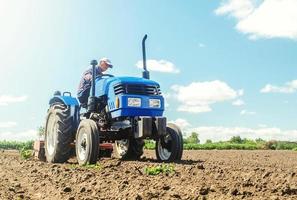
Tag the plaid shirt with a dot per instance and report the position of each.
(86, 80)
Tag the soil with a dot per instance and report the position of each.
(200, 175)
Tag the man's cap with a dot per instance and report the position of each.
(107, 61)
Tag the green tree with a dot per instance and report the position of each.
(236, 139)
(259, 140)
(193, 138)
(208, 141)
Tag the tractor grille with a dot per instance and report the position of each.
(137, 89)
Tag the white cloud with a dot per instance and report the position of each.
(198, 96)
(225, 133)
(289, 87)
(159, 66)
(238, 102)
(19, 136)
(182, 123)
(7, 124)
(263, 19)
(245, 112)
(7, 99)
(236, 8)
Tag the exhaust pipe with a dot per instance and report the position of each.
(92, 100)
(145, 73)
(93, 63)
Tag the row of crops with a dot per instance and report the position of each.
(149, 144)
(245, 145)
(16, 145)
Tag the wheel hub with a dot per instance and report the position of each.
(164, 147)
(122, 146)
(82, 145)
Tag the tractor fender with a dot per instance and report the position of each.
(69, 101)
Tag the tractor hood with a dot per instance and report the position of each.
(104, 85)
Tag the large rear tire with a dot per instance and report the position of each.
(87, 142)
(58, 134)
(131, 149)
(169, 148)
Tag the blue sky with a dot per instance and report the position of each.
(225, 67)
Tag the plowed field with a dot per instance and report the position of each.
(200, 175)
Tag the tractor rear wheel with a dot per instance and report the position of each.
(128, 149)
(169, 147)
(58, 134)
(87, 142)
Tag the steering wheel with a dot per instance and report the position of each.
(102, 75)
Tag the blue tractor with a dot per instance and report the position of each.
(120, 114)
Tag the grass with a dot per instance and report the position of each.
(160, 169)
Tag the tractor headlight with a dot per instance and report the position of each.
(155, 103)
(134, 102)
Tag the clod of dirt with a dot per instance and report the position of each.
(289, 191)
(266, 174)
(11, 189)
(212, 188)
(234, 191)
(200, 166)
(138, 197)
(83, 189)
(67, 189)
(167, 187)
(204, 190)
(176, 196)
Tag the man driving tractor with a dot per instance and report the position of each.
(84, 87)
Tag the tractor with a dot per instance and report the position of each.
(121, 113)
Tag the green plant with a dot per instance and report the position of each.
(92, 166)
(149, 144)
(155, 170)
(26, 154)
(295, 149)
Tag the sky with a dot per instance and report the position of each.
(226, 67)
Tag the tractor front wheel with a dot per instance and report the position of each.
(128, 149)
(87, 142)
(169, 147)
